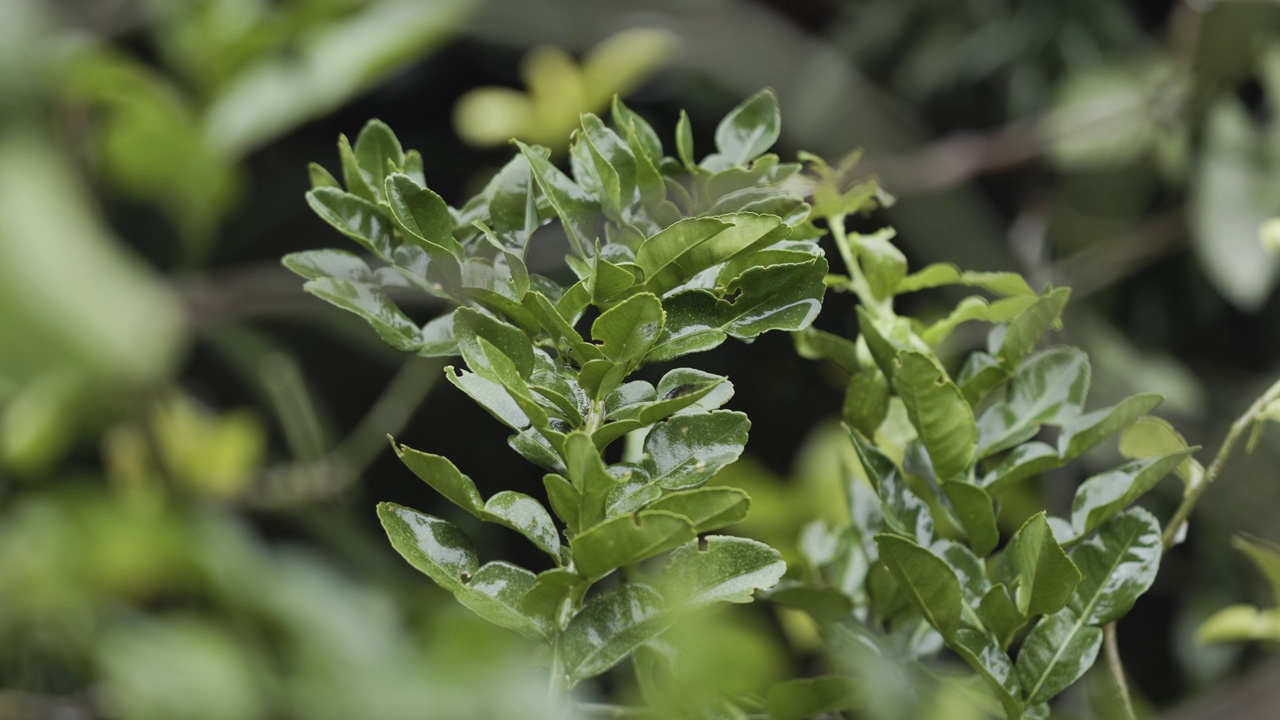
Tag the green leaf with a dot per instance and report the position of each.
(546, 602)
(746, 132)
(977, 515)
(717, 569)
(812, 697)
(814, 344)
(1049, 388)
(591, 479)
(1117, 564)
(883, 265)
(627, 330)
(1000, 615)
(321, 177)
(443, 477)
(1007, 284)
(1057, 651)
(1240, 623)
(684, 140)
(989, 660)
(1092, 428)
(938, 412)
(614, 162)
(1048, 577)
(470, 326)
(708, 508)
(624, 117)
(660, 256)
(823, 603)
(513, 200)
(425, 217)
(353, 177)
(526, 516)
(866, 401)
(690, 326)
(369, 302)
(491, 396)
(354, 217)
(1031, 325)
(904, 512)
(980, 375)
(1024, 461)
(687, 450)
(442, 551)
(335, 264)
(928, 581)
(609, 628)
(976, 309)
(626, 540)
(607, 281)
(1265, 555)
(377, 151)
(778, 297)
(574, 205)
(1106, 494)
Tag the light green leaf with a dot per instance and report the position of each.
(1031, 325)
(883, 264)
(904, 512)
(746, 132)
(687, 450)
(1152, 436)
(320, 177)
(356, 180)
(574, 205)
(1240, 623)
(1092, 428)
(627, 330)
(1265, 555)
(442, 551)
(661, 256)
(1057, 651)
(614, 162)
(708, 508)
(607, 281)
(684, 140)
(377, 151)
(609, 627)
(1024, 461)
(1048, 577)
(1117, 564)
(354, 217)
(812, 697)
(624, 117)
(814, 344)
(443, 477)
(778, 297)
(928, 581)
(336, 264)
(976, 309)
(626, 540)
(938, 412)
(489, 395)
(977, 515)
(1106, 494)
(425, 217)
(527, 517)
(980, 375)
(717, 569)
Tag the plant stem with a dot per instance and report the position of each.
(1197, 491)
(1112, 649)
(857, 281)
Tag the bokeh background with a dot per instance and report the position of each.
(191, 447)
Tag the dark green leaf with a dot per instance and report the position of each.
(1057, 651)
(1047, 576)
(661, 256)
(425, 217)
(491, 396)
(574, 205)
(1094, 427)
(690, 326)
(546, 602)
(354, 217)
(779, 297)
(627, 330)
(866, 401)
(977, 515)
(1031, 325)
(614, 162)
(378, 151)
(883, 265)
(1118, 564)
(443, 477)
(814, 344)
(1000, 615)
(938, 412)
(370, 303)
(929, 583)
(609, 627)
(1049, 388)
(470, 326)
(989, 660)
(356, 180)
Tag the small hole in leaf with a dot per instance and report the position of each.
(465, 577)
(702, 544)
(940, 381)
(635, 518)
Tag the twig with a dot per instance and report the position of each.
(1195, 492)
(1112, 649)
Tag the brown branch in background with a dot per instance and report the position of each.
(1102, 264)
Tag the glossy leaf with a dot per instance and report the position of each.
(626, 540)
(1057, 651)
(377, 151)
(369, 302)
(989, 660)
(883, 265)
(355, 217)
(441, 550)
(746, 132)
(904, 512)
(1031, 325)
(574, 206)
(939, 274)
(707, 508)
(1049, 388)
(687, 450)
(608, 628)
(627, 330)
(780, 297)
(1106, 494)
(661, 256)
(527, 517)
(470, 326)
(938, 411)
(426, 218)
(928, 581)
(1117, 564)
(443, 477)
(1092, 428)
(720, 568)
(1048, 577)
